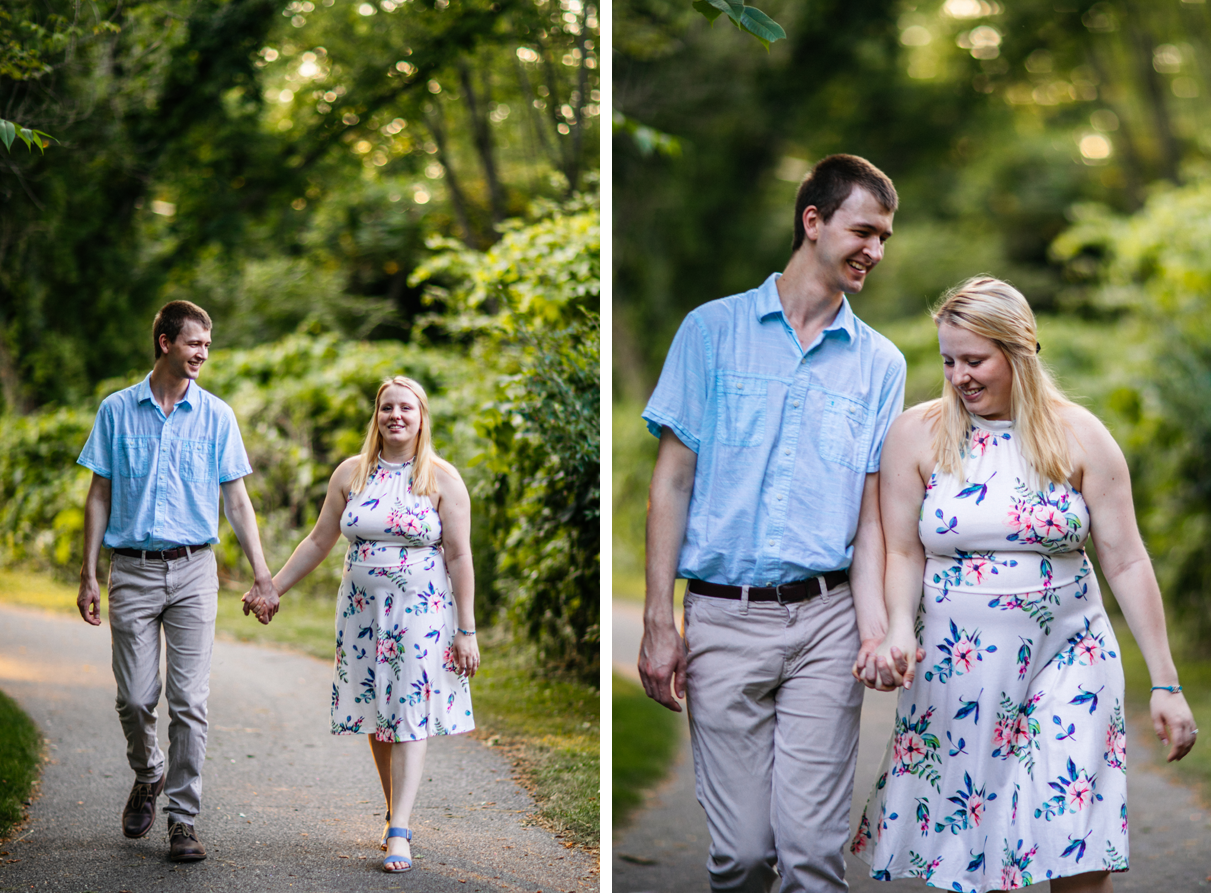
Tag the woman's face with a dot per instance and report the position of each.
(978, 369)
(399, 419)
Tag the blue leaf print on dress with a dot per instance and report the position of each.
(1087, 697)
(1076, 845)
(974, 489)
(950, 525)
(969, 708)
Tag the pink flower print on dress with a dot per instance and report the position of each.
(1080, 792)
(862, 837)
(1047, 523)
(388, 650)
(981, 440)
(1011, 878)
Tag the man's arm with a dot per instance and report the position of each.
(96, 519)
(866, 575)
(662, 651)
(238, 508)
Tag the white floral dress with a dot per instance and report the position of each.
(395, 675)
(1007, 765)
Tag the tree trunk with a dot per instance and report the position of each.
(433, 119)
(481, 135)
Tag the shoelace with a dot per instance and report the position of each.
(180, 829)
(142, 794)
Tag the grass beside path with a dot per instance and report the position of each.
(551, 725)
(645, 742)
(20, 755)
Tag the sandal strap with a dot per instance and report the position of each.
(399, 832)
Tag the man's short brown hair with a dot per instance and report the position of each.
(830, 183)
(172, 318)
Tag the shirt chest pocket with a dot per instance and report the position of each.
(134, 456)
(846, 428)
(740, 404)
(197, 461)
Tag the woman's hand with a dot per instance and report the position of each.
(1173, 722)
(466, 654)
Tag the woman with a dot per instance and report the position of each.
(1007, 764)
(405, 613)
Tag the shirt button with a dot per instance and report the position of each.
(804, 360)
(771, 542)
(787, 452)
(779, 498)
(796, 404)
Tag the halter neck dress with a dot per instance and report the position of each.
(395, 675)
(1007, 765)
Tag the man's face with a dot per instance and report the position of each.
(850, 244)
(185, 356)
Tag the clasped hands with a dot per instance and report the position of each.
(888, 663)
(261, 600)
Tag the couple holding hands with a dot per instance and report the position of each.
(161, 452)
(831, 540)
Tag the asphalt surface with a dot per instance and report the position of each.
(286, 805)
(664, 848)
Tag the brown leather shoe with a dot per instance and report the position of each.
(183, 843)
(139, 814)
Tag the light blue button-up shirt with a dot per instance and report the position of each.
(165, 471)
(784, 436)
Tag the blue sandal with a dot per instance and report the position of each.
(390, 862)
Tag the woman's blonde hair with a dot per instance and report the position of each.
(997, 311)
(424, 478)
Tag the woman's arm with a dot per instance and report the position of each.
(907, 461)
(454, 509)
(1106, 486)
(327, 530)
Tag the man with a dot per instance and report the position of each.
(160, 453)
(771, 412)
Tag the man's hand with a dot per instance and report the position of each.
(262, 600)
(662, 664)
(89, 600)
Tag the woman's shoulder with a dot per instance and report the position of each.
(917, 421)
(1086, 433)
(447, 475)
(343, 474)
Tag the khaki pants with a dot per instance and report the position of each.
(774, 717)
(180, 596)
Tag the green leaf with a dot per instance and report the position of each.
(8, 132)
(761, 26)
(27, 136)
(705, 7)
(734, 8)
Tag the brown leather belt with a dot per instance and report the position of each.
(798, 591)
(166, 555)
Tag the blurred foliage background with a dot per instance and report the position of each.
(352, 190)
(1060, 144)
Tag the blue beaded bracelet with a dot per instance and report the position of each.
(1169, 688)
(467, 632)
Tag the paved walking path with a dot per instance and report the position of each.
(663, 850)
(286, 805)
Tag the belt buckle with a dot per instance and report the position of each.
(778, 593)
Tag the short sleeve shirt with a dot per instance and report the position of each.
(165, 472)
(785, 436)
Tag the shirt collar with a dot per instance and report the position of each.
(143, 392)
(768, 304)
